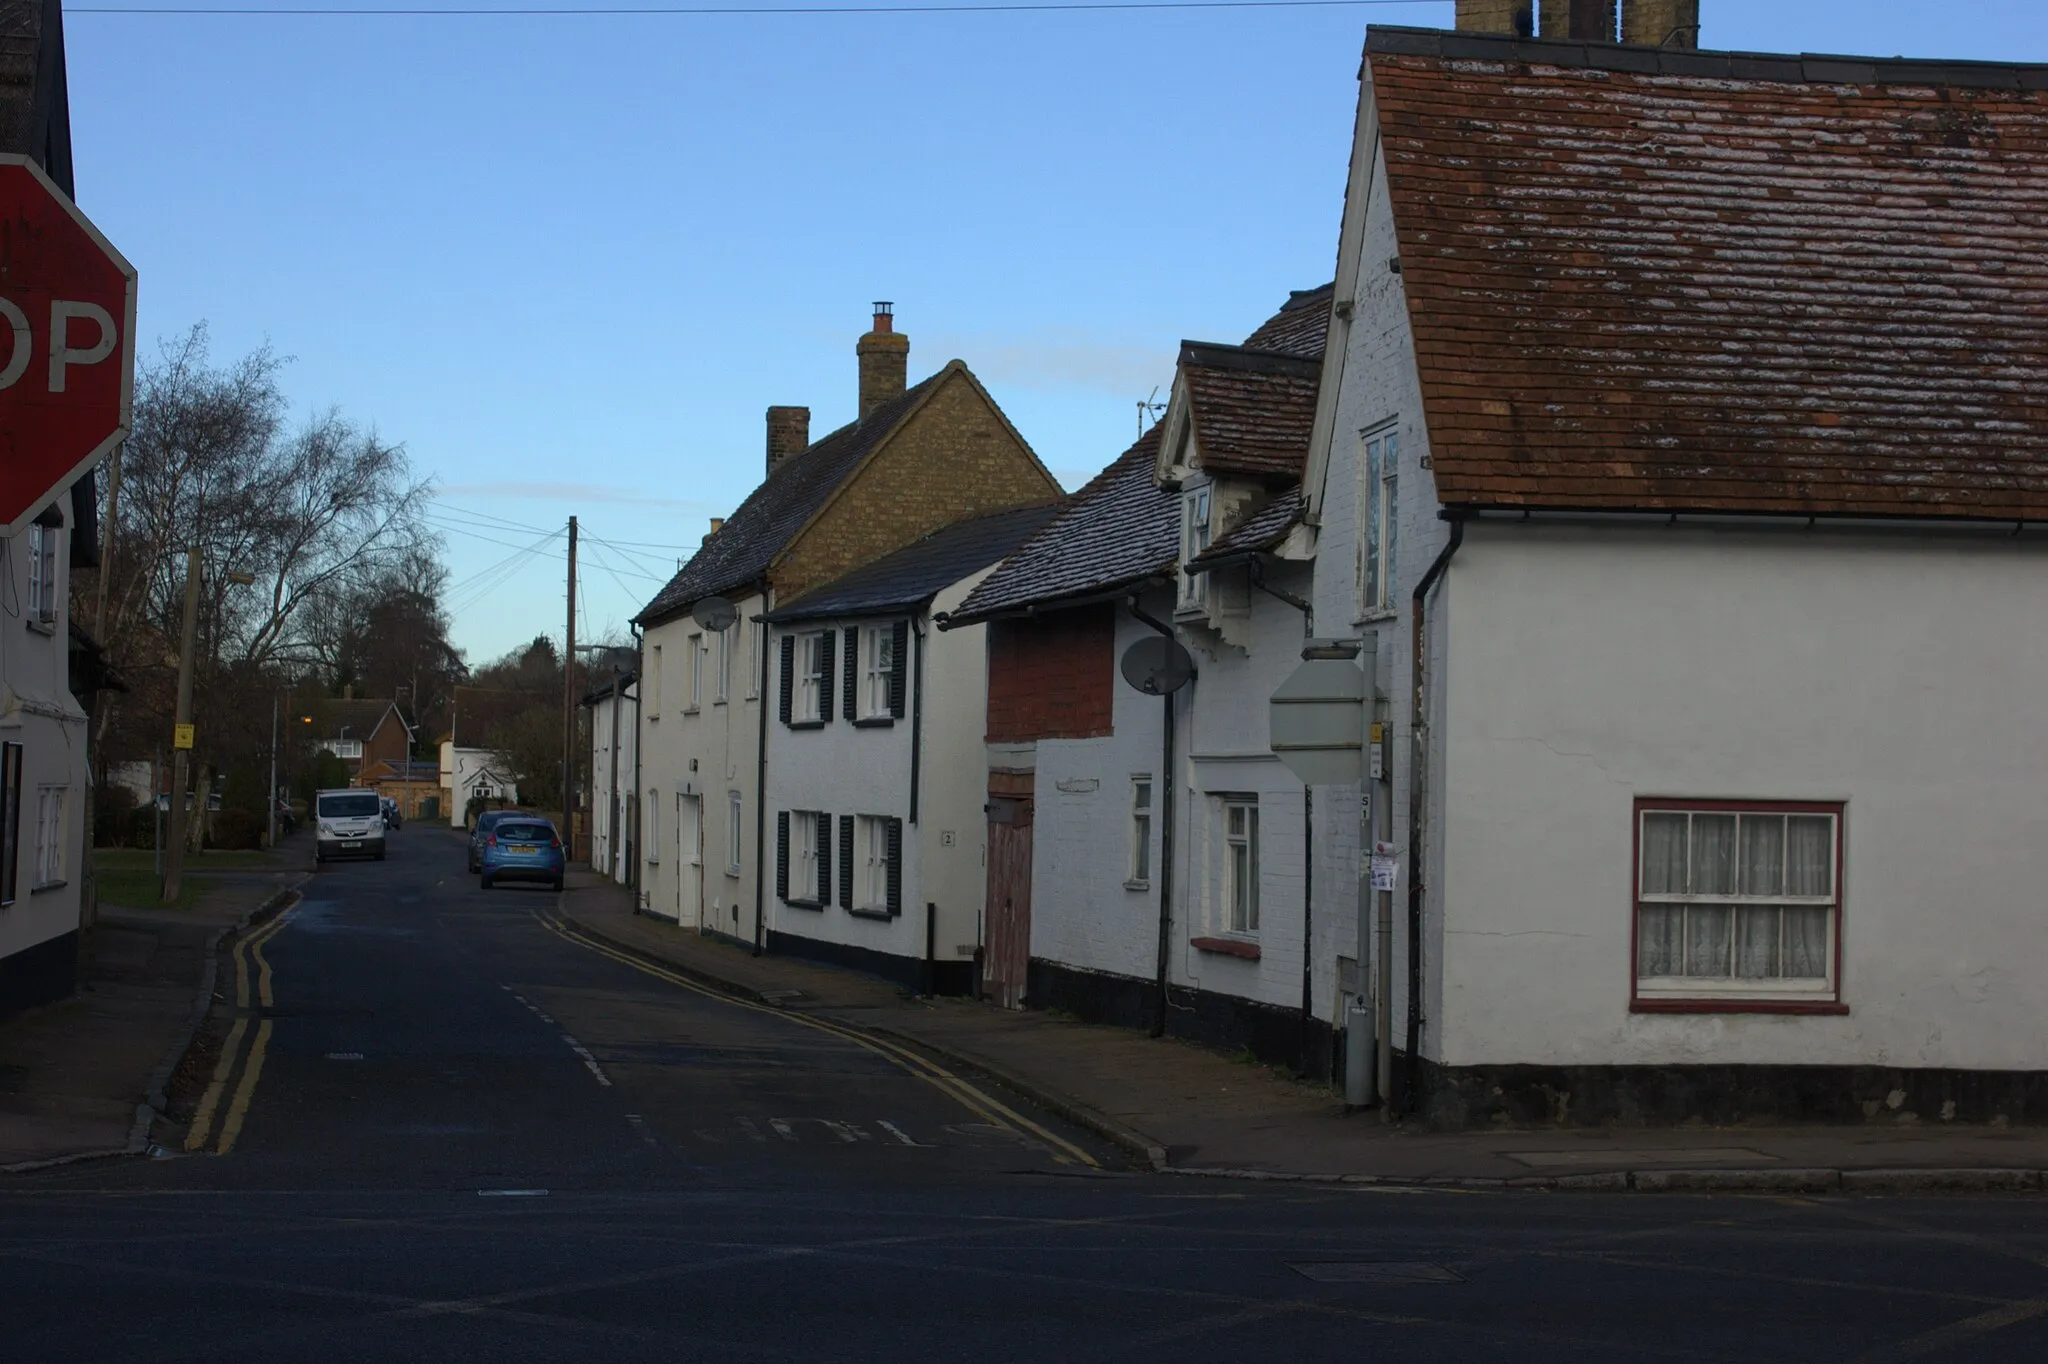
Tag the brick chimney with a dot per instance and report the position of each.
(1498, 16)
(789, 433)
(1579, 20)
(884, 361)
(1661, 23)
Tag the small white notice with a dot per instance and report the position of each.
(1386, 866)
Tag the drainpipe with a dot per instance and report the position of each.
(1417, 790)
(761, 796)
(1167, 783)
(916, 712)
(639, 743)
(1308, 834)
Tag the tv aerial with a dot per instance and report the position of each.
(715, 614)
(1157, 666)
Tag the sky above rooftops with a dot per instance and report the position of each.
(569, 260)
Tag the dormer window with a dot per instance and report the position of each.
(1194, 539)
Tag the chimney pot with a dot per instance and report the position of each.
(1661, 23)
(716, 523)
(1591, 21)
(1515, 17)
(884, 355)
(789, 433)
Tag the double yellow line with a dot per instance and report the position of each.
(246, 949)
(982, 1105)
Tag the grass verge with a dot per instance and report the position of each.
(141, 889)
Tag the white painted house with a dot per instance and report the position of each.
(875, 772)
(614, 776)
(1681, 426)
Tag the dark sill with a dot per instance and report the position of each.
(1229, 947)
(689, 710)
(42, 627)
(875, 722)
(47, 885)
(1737, 1006)
(870, 913)
(806, 724)
(805, 904)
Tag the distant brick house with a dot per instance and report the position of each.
(362, 733)
(414, 784)
(916, 459)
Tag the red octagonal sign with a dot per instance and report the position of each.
(67, 342)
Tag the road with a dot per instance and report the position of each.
(452, 1133)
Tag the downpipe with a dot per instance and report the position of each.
(1418, 729)
(1167, 783)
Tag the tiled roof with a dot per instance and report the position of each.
(361, 717)
(1119, 530)
(913, 575)
(1721, 282)
(1263, 529)
(1300, 327)
(740, 552)
(406, 769)
(1252, 409)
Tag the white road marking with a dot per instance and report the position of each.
(782, 1129)
(839, 1129)
(893, 1130)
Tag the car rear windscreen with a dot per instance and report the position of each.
(523, 833)
(351, 806)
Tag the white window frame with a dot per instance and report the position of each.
(1195, 518)
(758, 636)
(653, 687)
(724, 677)
(53, 807)
(652, 809)
(803, 857)
(1240, 827)
(871, 834)
(878, 670)
(1379, 463)
(695, 644)
(1735, 989)
(42, 575)
(734, 832)
(345, 748)
(807, 706)
(1138, 862)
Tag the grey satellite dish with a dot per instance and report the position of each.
(714, 613)
(1157, 666)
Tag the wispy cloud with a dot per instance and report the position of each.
(1061, 359)
(571, 493)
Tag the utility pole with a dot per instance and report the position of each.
(569, 708)
(174, 863)
(270, 793)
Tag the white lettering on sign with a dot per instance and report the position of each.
(61, 352)
(63, 355)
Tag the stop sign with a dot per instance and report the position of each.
(67, 342)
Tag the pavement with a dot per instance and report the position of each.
(1191, 1110)
(85, 1076)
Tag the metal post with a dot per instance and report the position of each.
(931, 951)
(270, 797)
(181, 759)
(569, 706)
(156, 809)
(1359, 1033)
(1383, 958)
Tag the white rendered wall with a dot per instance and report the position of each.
(607, 843)
(460, 769)
(952, 826)
(1899, 673)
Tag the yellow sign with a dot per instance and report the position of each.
(1376, 736)
(182, 736)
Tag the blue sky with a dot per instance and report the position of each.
(569, 260)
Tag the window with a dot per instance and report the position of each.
(807, 859)
(10, 819)
(1379, 468)
(1737, 902)
(653, 845)
(878, 864)
(1140, 868)
(724, 665)
(808, 679)
(345, 748)
(1194, 538)
(50, 809)
(695, 644)
(654, 683)
(42, 575)
(878, 670)
(1241, 862)
(759, 635)
(732, 833)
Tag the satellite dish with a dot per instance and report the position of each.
(1157, 666)
(714, 613)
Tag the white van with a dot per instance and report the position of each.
(348, 823)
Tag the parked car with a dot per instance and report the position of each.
(523, 848)
(347, 823)
(481, 830)
(392, 819)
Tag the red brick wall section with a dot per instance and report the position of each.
(1052, 677)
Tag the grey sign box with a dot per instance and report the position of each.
(1316, 721)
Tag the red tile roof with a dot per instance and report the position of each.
(1711, 281)
(1252, 410)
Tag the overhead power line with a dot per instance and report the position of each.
(553, 11)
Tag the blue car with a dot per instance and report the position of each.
(523, 848)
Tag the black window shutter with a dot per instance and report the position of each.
(826, 672)
(824, 859)
(895, 827)
(782, 855)
(788, 674)
(852, 672)
(899, 658)
(846, 861)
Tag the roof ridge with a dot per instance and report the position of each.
(1255, 359)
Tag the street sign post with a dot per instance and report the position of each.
(67, 342)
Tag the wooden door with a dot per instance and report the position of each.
(1007, 959)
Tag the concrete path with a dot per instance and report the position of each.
(1196, 1111)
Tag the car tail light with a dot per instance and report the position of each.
(555, 842)
(491, 840)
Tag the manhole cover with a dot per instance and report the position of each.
(1374, 1271)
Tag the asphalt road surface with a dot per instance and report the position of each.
(442, 1130)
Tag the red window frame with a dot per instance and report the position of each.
(1669, 1004)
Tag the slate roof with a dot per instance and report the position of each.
(1120, 530)
(361, 716)
(1644, 279)
(1301, 327)
(741, 550)
(1252, 409)
(913, 575)
(1262, 530)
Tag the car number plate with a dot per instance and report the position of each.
(525, 847)
(352, 843)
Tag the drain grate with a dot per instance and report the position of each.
(1375, 1271)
